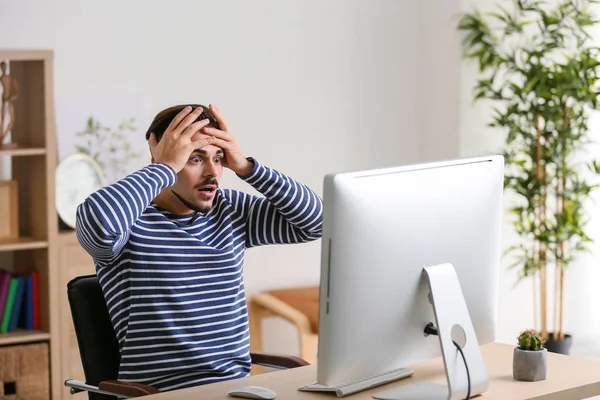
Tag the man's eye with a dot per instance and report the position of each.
(218, 159)
(195, 159)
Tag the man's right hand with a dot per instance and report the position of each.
(176, 143)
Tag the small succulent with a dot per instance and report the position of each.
(531, 339)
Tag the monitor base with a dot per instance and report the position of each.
(415, 391)
(453, 325)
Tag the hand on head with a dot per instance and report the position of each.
(234, 158)
(177, 142)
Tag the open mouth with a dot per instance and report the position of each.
(207, 189)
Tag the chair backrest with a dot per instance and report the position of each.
(98, 346)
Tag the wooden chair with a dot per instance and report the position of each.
(299, 306)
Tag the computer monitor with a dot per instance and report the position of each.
(398, 243)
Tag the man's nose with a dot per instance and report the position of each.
(210, 169)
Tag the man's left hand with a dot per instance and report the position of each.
(234, 159)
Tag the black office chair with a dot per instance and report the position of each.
(99, 348)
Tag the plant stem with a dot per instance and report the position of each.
(561, 332)
(560, 195)
(534, 280)
(557, 267)
(541, 174)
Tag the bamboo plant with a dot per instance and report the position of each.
(539, 67)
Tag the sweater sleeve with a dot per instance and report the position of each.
(105, 218)
(288, 213)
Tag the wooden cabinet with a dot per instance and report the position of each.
(30, 239)
(30, 245)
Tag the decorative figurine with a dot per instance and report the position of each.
(10, 92)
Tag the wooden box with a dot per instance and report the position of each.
(24, 372)
(9, 211)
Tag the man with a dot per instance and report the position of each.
(169, 245)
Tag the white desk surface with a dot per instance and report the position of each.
(568, 378)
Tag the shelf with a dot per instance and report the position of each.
(23, 244)
(22, 336)
(23, 151)
(31, 159)
(27, 55)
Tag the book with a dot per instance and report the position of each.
(4, 286)
(35, 288)
(17, 303)
(26, 320)
(12, 291)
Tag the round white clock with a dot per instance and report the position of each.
(77, 176)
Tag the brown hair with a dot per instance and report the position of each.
(162, 120)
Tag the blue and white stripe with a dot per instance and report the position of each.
(174, 284)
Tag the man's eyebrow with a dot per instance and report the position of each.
(204, 152)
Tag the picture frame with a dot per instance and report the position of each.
(9, 206)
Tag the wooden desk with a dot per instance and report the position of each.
(568, 378)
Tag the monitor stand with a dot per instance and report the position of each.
(451, 314)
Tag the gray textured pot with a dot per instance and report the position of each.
(529, 365)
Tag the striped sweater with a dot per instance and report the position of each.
(173, 283)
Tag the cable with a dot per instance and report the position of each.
(467, 368)
(430, 329)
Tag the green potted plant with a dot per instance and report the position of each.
(539, 68)
(530, 362)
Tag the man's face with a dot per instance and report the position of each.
(198, 181)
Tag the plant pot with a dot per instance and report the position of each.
(529, 365)
(562, 346)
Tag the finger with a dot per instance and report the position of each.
(178, 118)
(224, 144)
(219, 117)
(195, 127)
(199, 143)
(217, 133)
(188, 120)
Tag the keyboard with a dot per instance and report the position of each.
(361, 384)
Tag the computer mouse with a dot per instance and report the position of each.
(252, 392)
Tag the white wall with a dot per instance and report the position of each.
(516, 310)
(439, 78)
(308, 86)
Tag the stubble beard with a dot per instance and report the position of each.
(197, 207)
